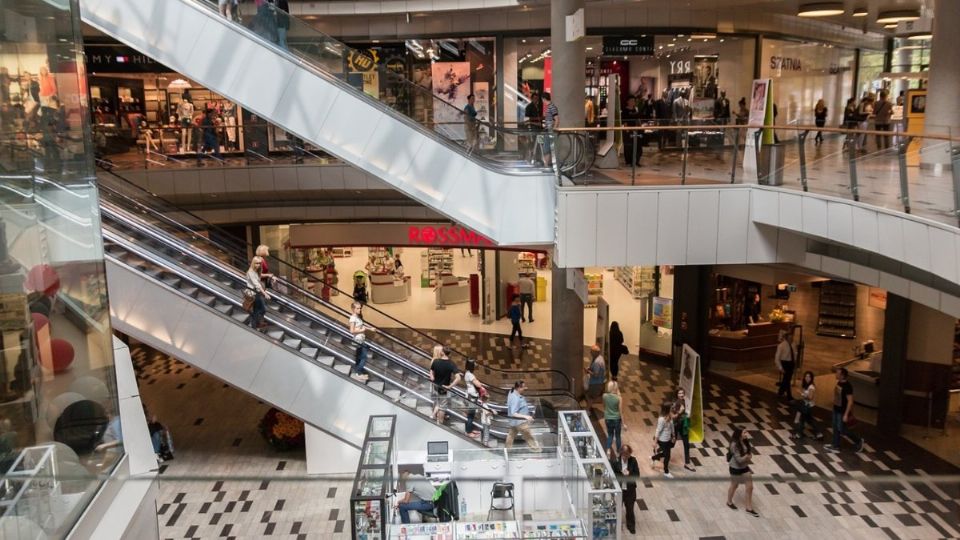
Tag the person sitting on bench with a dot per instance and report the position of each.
(417, 496)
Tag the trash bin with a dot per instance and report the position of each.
(770, 164)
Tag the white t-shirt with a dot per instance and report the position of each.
(469, 378)
(357, 328)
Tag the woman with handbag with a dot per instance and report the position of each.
(739, 458)
(681, 425)
(808, 394)
(255, 295)
(475, 388)
(664, 439)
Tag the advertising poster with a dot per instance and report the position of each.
(705, 75)
(603, 328)
(648, 87)
(451, 84)
(759, 99)
(662, 312)
(702, 108)
(690, 382)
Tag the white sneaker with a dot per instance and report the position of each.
(668, 475)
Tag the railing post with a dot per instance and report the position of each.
(852, 160)
(801, 142)
(955, 172)
(756, 150)
(736, 151)
(904, 180)
(683, 171)
(633, 160)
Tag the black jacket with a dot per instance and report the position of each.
(633, 470)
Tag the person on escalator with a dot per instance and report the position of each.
(283, 22)
(359, 330)
(445, 376)
(255, 288)
(263, 251)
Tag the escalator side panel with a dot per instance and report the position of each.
(184, 329)
(221, 56)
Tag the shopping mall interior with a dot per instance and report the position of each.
(472, 270)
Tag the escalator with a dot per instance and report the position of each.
(175, 284)
(419, 143)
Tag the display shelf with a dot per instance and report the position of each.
(838, 310)
(638, 280)
(422, 531)
(487, 529)
(552, 529)
(435, 262)
(594, 289)
(370, 505)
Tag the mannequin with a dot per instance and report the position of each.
(185, 112)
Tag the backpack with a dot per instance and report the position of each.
(446, 500)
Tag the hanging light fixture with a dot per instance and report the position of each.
(900, 15)
(890, 26)
(820, 9)
(860, 12)
(920, 36)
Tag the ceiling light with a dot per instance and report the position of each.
(821, 9)
(889, 17)
(890, 26)
(589, 48)
(920, 36)
(704, 35)
(860, 12)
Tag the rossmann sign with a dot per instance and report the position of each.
(386, 234)
(428, 235)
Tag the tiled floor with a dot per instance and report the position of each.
(801, 491)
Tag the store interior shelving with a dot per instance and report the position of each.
(838, 310)
(638, 280)
(435, 262)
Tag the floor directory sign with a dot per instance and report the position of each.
(690, 383)
(760, 102)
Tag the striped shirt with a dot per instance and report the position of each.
(551, 115)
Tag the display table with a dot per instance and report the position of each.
(385, 288)
(452, 290)
(423, 531)
(732, 350)
(487, 529)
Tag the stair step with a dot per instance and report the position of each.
(172, 281)
(189, 290)
(425, 410)
(206, 298)
(409, 402)
(342, 368)
(392, 393)
(310, 352)
(275, 333)
(240, 316)
(376, 385)
(223, 308)
(292, 342)
(326, 360)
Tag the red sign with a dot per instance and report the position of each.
(439, 236)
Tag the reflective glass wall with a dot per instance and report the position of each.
(59, 426)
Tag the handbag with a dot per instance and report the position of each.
(248, 303)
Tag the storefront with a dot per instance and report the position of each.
(804, 72)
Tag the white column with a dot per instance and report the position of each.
(943, 114)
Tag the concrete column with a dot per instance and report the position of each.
(943, 114)
(896, 320)
(566, 330)
(569, 64)
(691, 306)
(509, 89)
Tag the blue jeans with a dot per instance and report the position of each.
(613, 430)
(361, 358)
(416, 506)
(158, 437)
(259, 310)
(840, 429)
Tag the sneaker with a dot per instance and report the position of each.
(689, 468)
(796, 436)
(859, 446)
(819, 436)
(830, 448)
(731, 506)
(753, 513)
(668, 475)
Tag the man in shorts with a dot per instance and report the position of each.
(445, 376)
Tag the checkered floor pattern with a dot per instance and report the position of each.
(893, 489)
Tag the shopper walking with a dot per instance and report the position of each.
(526, 286)
(850, 120)
(808, 397)
(521, 415)
(627, 470)
(263, 251)
(445, 376)
(785, 360)
(282, 11)
(820, 119)
(630, 115)
(612, 415)
(617, 349)
(681, 426)
(596, 374)
(210, 141)
(864, 112)
(254, 288)
(664, 438)
(266, 22)
(739, 458)
(470, 125)
(551, 121)
(843, 413)
(882, 114)
(359, 330)
(516, 315)
(533, 116)
(226, 9)
(743, 113)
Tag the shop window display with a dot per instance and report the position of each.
(57, 382)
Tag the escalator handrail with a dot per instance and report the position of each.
(173, 269)
(241, 245)
(344, 86)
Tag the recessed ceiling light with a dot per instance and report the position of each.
(890, 26)
(860, 12)
(889, 17)
(704, 35)
(920, 36)
(541, 41)
(820, 9)
(589, 48)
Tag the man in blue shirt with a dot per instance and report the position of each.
(516, 313)
(470, 122)
(520, 412)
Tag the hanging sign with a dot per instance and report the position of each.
(627, 45)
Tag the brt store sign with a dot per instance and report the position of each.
(627, 45)
(386, 234)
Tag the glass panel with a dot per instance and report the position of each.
(370, 483)
(381, 427)
(376, 452)
(57, 381)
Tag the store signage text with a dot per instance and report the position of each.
(120, 59)
(836, 68)
(362, 60)
(781, 63)
(627, 45)
(438, 236)
(680, 67)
